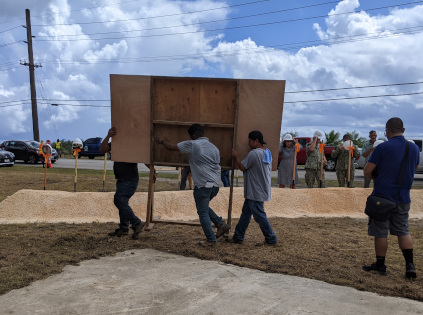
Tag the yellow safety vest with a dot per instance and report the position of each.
(58, 144)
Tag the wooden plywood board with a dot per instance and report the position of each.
(179, 102)
(130, 101)
(260, 108)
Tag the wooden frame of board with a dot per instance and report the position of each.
(145, 107)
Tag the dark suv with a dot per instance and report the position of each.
(27, 151)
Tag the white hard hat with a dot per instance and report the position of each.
(377, 142)
(287, 137)
(318, 134)
(347, 143)
(77, 143)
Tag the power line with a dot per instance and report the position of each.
(355, 87)
(10, 29)
(352, 98)
(82, 105)
(224, 28)
(192, 24)
(158, 16)
(48, 107)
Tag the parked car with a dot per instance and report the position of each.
(361, 161)
(6, 158)
(419, 141)
(27, 151)
(91, 148)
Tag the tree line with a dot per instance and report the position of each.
(334, 138)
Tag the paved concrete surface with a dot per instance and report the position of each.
(152, 282)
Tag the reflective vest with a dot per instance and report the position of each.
(40, 148)
(58, 144)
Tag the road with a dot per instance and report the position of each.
(98, 164)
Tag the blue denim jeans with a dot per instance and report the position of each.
(202, 197)
(124, 191)
(224, 176)
(255, 209)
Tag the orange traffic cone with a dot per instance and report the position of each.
(49, 164)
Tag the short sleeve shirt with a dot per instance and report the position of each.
(388, 158)
(366, 147)
(204, 161)
(125, 171)
(257, 176)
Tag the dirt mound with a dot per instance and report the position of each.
(29, 206)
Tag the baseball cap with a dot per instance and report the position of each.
(256, 135)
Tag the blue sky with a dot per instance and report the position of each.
(312, 44)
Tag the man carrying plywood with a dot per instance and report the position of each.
(204, 159)
(257, 167)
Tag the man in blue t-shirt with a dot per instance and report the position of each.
(384, 166)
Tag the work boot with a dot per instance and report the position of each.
(410, 271)
(137, 230)
(118, 232)
(234, 240)
(207, 244)
(222, 229)
(374, 267)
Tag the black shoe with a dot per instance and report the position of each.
(207, 244)
(118, 233)
(410, 271)
(137, 230)
(222, 229)
(234, 240)
(380, 269)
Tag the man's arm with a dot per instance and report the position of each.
(237, 160)
(368, 169)
(313, 144)
(367, 153)
(104, 147)
(171, 146)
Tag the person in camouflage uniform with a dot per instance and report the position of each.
(313, 161)
(341, 156)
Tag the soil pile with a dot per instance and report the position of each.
(30, 206)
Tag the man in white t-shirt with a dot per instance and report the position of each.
(257, 167)
(204, 162)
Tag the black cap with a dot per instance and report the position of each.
(256, 135)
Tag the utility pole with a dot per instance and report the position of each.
(31, 67)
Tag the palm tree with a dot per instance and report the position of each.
(332, 138)
(358, 141)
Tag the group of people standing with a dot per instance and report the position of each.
(314, 167)
(384, 167)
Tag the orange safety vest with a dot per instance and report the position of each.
(40, 148)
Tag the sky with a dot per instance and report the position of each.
(349, 65)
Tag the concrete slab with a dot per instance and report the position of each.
(152, 282)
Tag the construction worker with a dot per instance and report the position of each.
(40, 151)
(59, 148)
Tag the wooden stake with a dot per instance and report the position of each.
(349, 165)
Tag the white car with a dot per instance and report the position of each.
(361, 161)
(418, 141)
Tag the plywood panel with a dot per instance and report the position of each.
(260, 108)
(210, 102)
(130, 101)
(195, 100)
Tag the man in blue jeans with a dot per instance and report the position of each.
(127, 178)
(204, 159)
(384, 166)
(257, 167)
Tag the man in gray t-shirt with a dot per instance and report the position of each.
(257, 182)
(204, 159)
(367, 152)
